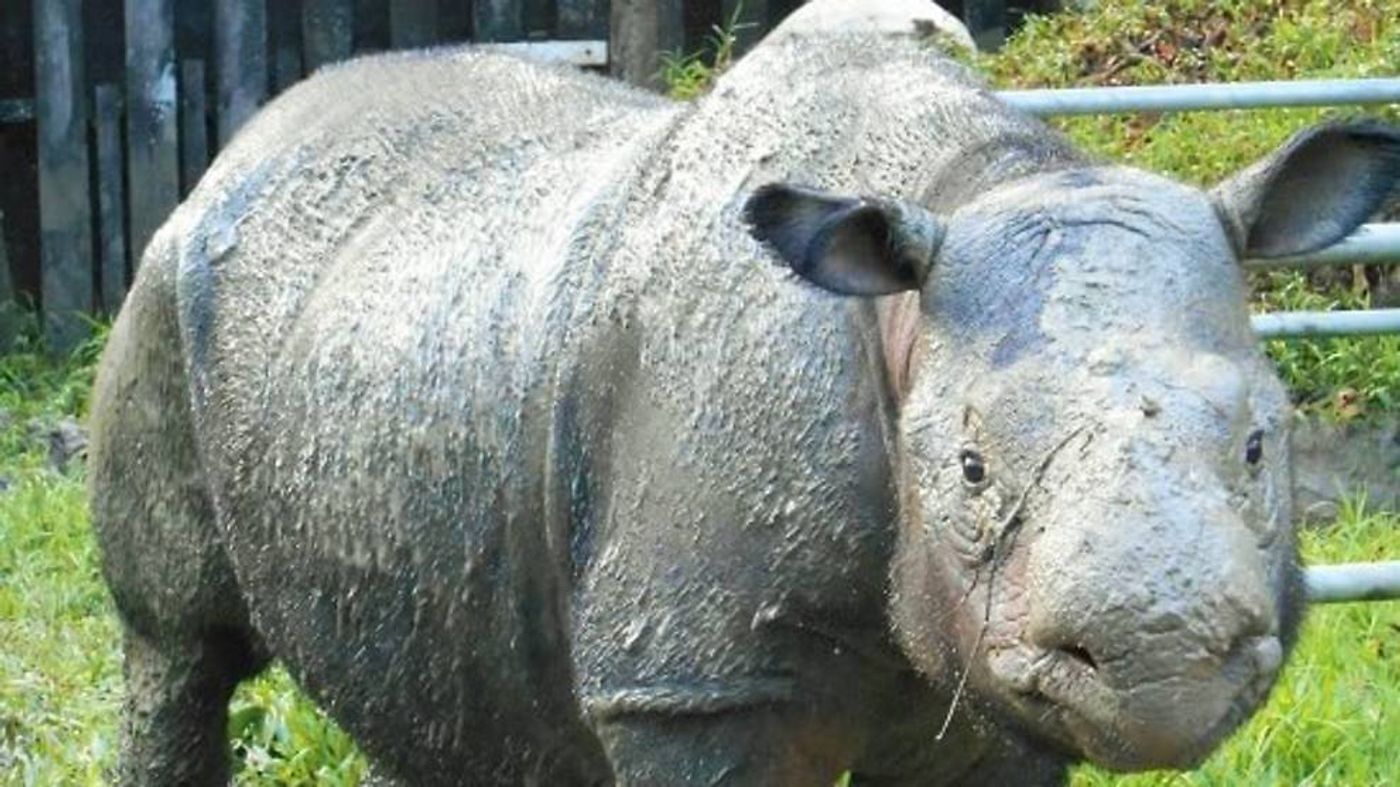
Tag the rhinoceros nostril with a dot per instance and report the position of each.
(1080, 654)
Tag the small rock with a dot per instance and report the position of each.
(67, 439)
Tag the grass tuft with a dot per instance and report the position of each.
(690, 76)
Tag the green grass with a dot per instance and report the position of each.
(58, 671)
(280, 737)
(60, 668)
(687, 76)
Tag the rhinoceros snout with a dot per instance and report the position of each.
(1173, 721)
(1155, 641)
(1120, 645)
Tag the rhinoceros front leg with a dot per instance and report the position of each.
(771, 746)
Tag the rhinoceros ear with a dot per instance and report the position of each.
(847, 245)
(1311, 192)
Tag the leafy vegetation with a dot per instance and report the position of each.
(59, 680)
(60, 667)
(689, 76)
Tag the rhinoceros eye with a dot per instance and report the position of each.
(974, 471)
(1254, 447)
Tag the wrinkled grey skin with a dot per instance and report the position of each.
(485, 397)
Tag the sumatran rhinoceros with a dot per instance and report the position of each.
(552, 432)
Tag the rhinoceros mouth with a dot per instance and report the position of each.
(1068, 698)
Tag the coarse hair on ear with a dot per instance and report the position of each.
(1315, 190)
(846, 245)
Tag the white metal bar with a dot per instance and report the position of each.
(1176, 98)
(579, 53)
(1341, 323)
(1372, 244)
(1353, 582)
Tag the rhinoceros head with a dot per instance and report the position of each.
(1093, 462)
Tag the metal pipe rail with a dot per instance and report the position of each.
(1280, 325)
(1372, 244)
(1179, 98)
(1353, 582)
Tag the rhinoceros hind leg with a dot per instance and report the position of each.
(188, 639)
(174, 723)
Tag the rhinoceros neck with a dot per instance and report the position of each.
(851, 113)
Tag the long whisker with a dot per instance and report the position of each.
(1006, 532)
(962, 684)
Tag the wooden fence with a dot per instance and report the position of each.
(110, 112)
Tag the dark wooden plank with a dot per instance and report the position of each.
(16, 110)
(986, 21)
(284, 43)
(538, 19)
(152, 157)
(103, 47)
(413, 23)
(583, 19)
(371, 26)
(778, 10)
(327, 31)
(9, 297)
(111, 232)
(640, 31)
(498, 20)
(65, 210)
(240, 53)
(286, 67)
(747, 19)
(7, 286)
(194, 124)
(454, 21)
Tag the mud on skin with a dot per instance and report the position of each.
(550, 432)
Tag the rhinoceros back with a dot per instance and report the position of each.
(376, 282)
